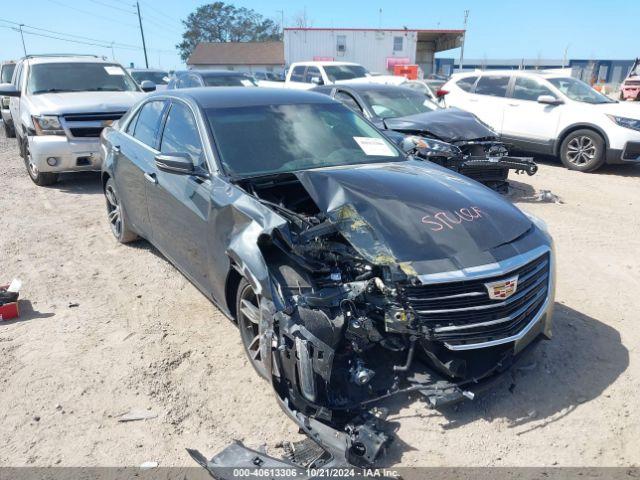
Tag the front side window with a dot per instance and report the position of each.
(228, 81)
(398, 102)
(297, 75)
(398, 44)
(7, 72)
(181, 134)
(495, 86)
(148, 121)
(529, 89)
(466, 83)
(344, 72)
(268, 139)
(579, 91)
(79, 77)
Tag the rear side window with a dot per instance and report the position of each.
(297, 75)
(529, 89)
(348, 101)
(181, 134)
(7, 72)
(494, 86)
(466, 83)
(312, 72)
(148, 122)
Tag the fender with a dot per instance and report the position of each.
(577, 126)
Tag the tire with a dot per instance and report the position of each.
(583, 150)
(42, 179)
(248, 317)
(622, 99)
(9, 130)
(116, 215)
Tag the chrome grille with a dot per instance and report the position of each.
(462, 312)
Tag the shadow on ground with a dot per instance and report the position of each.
(547, 383)
(27, 313)
(80, 182)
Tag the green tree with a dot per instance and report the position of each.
(222, 22)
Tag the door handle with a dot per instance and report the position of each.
(514, 105)
(151, 177)
(115, 148)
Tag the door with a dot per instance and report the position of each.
(14, 102)
(178, 203)
(134, 157)
(527, 120)
(490, 99)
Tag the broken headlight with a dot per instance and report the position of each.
(431, 147)
(47, 125)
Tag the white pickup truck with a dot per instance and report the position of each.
(307, 75)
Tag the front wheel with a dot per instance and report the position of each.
(116, 215)
(583, 150)
(42, 179)
(248, 315)
(9, 130)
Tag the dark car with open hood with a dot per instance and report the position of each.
(450, 137)
(354, 273)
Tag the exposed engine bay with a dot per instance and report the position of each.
(351, 323)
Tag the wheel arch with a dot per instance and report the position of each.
(231, 290)
(104, 178)
(579, 126)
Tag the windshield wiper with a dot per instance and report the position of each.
(104, 89)
(54, 90)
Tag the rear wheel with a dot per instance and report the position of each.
(9, 130)
(42, 179)
(583, 150)
(117, 216)
(248, 315)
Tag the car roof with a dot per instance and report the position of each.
(226, 97)
(370, 87)
(558, 73)
(325, 63)
(37, 59)
(146, 70)
(213, 73)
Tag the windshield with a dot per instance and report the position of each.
(399, 102)
(228, 81)
(267, 139)
(159, 78)
(7, 72)
(345, 72)
(79, 77)
(579, 91)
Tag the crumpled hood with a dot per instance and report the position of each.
(83, 102)
(413, 211)
(449, 125)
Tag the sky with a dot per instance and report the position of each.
(497, 29)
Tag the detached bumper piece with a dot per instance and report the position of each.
(9, 300)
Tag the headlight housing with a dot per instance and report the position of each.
(5, 102)
(47, 125)
(431, 147)
(632, 123)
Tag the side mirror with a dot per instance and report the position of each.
(179, 163)
(8, 90)
(148, 86)
(549, 100)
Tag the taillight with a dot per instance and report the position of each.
(441, 93)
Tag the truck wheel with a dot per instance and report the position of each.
(248, 317)
(116, 215)
(583, 150)
(9, 131)
(42, 179)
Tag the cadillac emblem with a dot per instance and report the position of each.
(502, 289)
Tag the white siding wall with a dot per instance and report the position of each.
(369, 48)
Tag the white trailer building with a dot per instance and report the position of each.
(378, 50)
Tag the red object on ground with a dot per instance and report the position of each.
(408, 71)
(9, 311)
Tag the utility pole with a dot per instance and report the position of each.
(22, 36)
(564, 58)
(464, 36)
(281, 12)
(144, 45)
(113, 53)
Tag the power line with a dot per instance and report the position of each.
(130, 12)
(119, 22)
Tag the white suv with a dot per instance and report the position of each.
(551, 113)
(59, 106)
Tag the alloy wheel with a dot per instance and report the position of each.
(249, 323)
(581, 150)
(113, 211)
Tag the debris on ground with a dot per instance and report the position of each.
(149, 465)
(136, 414)
(9, 300)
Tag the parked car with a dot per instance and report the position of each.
(630, 88)
(210, 78)
(349, 268)
(59, 106)
(453, 138)
(160, 78)
(553, 114)
(6, 72)
(270, 76)
(432, 88)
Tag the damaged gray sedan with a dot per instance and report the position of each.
(354, 273)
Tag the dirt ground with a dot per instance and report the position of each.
(107, 328)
